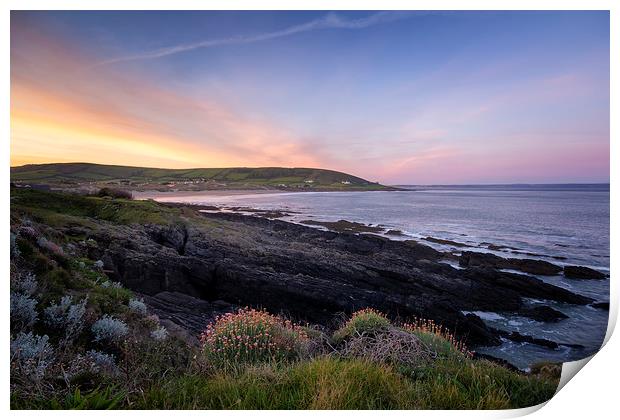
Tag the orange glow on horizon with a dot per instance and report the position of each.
(62, 110)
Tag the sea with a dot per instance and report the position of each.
(566, 224)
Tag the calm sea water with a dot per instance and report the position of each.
(566, 221)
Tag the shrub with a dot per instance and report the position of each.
(50, 247)
(250, 336)
(111, 285)
(160, 334)
(102, 362)
(15, 252)
(66, 317)
(31, 355)
(23, 311)
(115, 193)
(109, 300)
(438, 338)
(137, 306)
(27, 232)
(108, 329)
(25, 248)
(392, 345)
(24, 283)
(365, 321)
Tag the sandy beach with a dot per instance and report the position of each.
(167, 195)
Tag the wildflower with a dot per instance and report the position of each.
(426, 326)
(243, 337)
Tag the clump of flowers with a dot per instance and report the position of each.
(67, 317)
(31, 355)
(108, 329)
(437, 336)
(159, 334)
(250, 336)
(365, 321)
(137, 306)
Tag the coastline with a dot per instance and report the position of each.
(315, 273)
(154, 194)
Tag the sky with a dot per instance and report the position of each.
(395, 97)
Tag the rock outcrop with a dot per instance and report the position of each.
(234, 260)
(526, 265)
(579, 272)
(542, 314)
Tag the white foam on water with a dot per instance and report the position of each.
(487, 316)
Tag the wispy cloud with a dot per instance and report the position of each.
(108, 116)
(329, 21)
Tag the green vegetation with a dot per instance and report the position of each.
(251, 337)
(74, 174)
(59, 209)
(76, 342)
(365, 321)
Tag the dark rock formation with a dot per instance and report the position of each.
(480, 259)
(601, 305)
(445, 242)
(542, 314)
(578, 272)
(345, 226)
(188, 312)
(395, 232)
(522, 338)
(306, 273)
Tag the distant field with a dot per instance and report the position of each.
(80, 174)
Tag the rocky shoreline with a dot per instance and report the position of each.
(189, 274)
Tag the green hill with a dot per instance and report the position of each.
(75, 174)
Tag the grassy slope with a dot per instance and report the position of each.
(164, 376)
(57, 173)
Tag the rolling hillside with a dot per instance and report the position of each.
(76, 174)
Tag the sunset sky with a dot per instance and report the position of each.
(394, 97)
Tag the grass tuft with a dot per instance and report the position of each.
(364, 321)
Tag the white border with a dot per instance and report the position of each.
(592, 394)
